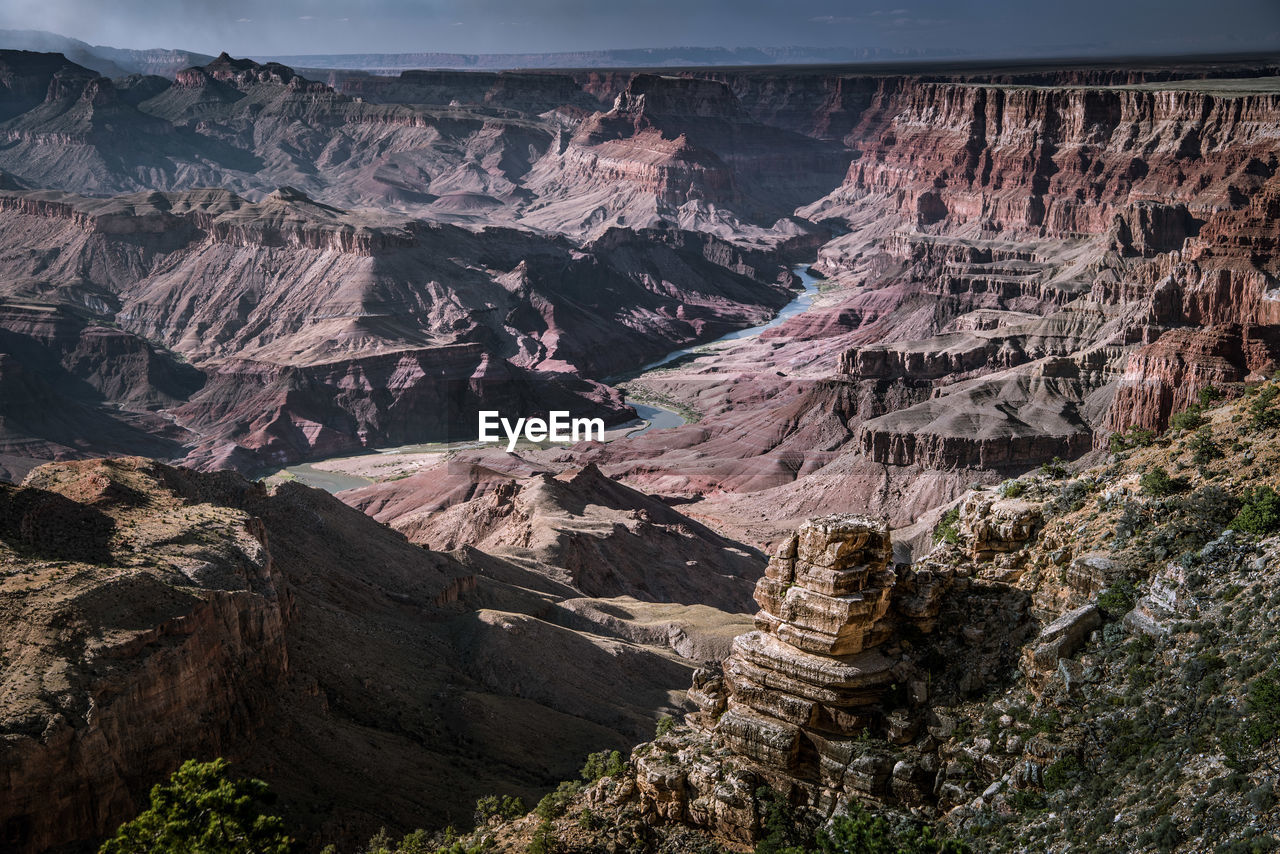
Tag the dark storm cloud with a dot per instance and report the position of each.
(983, 27)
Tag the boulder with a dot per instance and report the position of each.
(991, 526)
(1058, 640)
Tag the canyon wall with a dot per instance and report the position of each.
(154, 614)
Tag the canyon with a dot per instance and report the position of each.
(227, 268)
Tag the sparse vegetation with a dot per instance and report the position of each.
(201, 809)
(1259, 513)
(1055, 469)
(948, 529)
(1134, 437)
(606, 763)
(499, 807)
(1012, 488)
(1157, 483)
(786, 830)
(1117, 600)
(554, 804)
(1264, 708)
(1263, 413)
(1209, 395)
(1191, 418)
(1203, 448)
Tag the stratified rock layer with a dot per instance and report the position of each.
(810, 673)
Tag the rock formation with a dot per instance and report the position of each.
(991, 526)
(151, 614)
(797, 693)
(351, 338)
(678, 149)
(1019, 262)
(586, 531)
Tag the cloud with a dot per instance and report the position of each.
(884, 19)
(306, 17)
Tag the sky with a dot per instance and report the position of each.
(1024, 28)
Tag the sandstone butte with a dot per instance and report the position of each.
(799, 696)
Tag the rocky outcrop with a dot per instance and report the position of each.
(245, 73)
(90, 719)
(1165, 377)
(1168, 598)
(1120, 143)
(991, 526)
(1005, 422)
(676, 149)
(592, 534)
(811, 677)
(802, 704)
(1058, 641)
(151, 614)
(1214, 313)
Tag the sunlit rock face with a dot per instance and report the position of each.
(812, 667)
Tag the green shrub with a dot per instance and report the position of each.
(1134, 437)
(1190, 418)
(1055, 469)
(544, 839)
(1071, 496)
(1203, 448)
(1027, 800)
(1187, 523)
(1210, 394)
(1012, 488)
(860, 832)
(503, 807)
(1165, 835)
(1264, 708)
(606, 763)
(380, 843)
(1262, 798)
(554, 804)
(1259, 513)
(666, 724)
(1062, 773)
(1132, 522)
(783, 829)
(1117, 600)
(1263, 415)
(1157, 483)
(948, 530)
(201, 810)
(420, 842)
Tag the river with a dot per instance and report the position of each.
(660, 418)
(654, 416)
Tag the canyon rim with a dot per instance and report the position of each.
(544, 439)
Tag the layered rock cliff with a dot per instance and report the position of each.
(317, 331)
(153, 614)
(677, 150)
(98, 699)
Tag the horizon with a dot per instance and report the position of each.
(975, 30)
